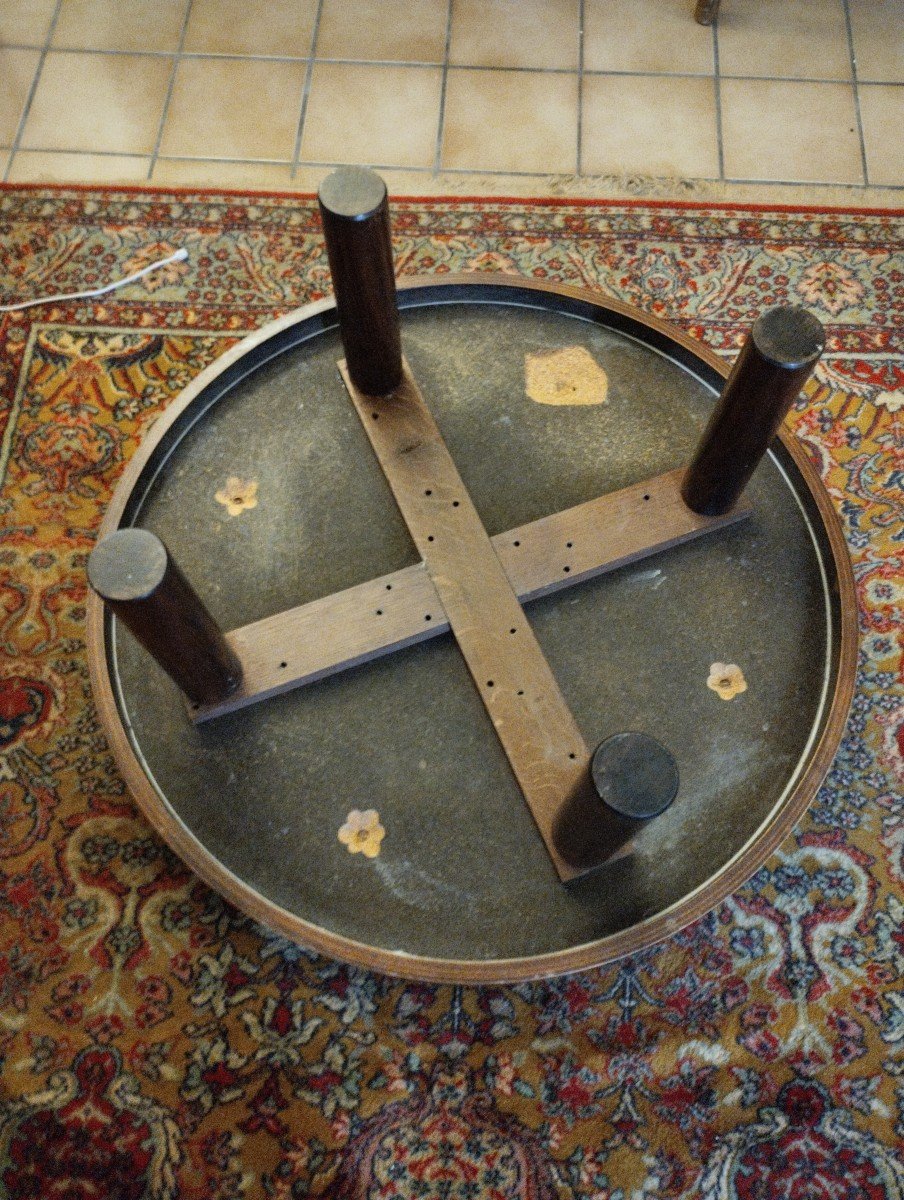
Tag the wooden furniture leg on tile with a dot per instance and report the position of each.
(706, 11)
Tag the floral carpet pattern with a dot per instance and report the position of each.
(155, 1043)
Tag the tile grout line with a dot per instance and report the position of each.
(856, 87)
(717, 96)
(465, 171)
(444, 83)
(306, 92)
(426, 64)
(177, 58)
(579, 163)
(26, 108)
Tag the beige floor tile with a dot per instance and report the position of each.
(148, 25)
(251, 27)
(364, 114)
(4, 163)
(882, 113)
(803, 39)
(878, 30)
(190, 172)
(384, 30)
(18, 70)
(649, 125)
(25, 22)
(36, 166)
(515, 33)
(234, 108)
(398, 182)
(511, 121)
(797, 132)
(97, 102)
(648, 36)
(422, 183)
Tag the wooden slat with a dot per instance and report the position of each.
(602, 535)
(532, 721)
(340, 631)
(329, 635)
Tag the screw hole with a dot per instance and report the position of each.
(516, 543)
(513, 630)
(566, 569)
(428, 617)
(376, 416)
(379, 612)
(282, 666)
(646, 497)
(429, 492)
(572, 756)
(430, 538)
(455, 503)
(521, 692)
(568, 545)
(389, 587)
(489, 683)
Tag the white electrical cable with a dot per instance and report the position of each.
(155, 266)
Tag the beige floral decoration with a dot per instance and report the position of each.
(238, 494)
(726, 680)
(568, 376)
(362, 832)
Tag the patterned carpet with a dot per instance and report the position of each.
(155, 1043)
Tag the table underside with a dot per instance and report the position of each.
(462, 872)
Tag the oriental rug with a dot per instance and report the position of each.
(155, 1043)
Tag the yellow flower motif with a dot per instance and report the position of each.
(727, 680)
(238, 494)
(362, 832)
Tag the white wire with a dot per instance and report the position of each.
(155, 266)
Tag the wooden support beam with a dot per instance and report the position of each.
(354, 626)
(535, 727)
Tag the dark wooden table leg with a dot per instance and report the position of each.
(706, 11)
(134, 574)
(354, 209)
(775, 362)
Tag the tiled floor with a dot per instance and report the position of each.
(270, 93)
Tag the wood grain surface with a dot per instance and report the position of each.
(538, 733)
(336, 632)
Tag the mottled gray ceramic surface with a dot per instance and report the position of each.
(462, 872)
